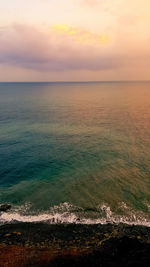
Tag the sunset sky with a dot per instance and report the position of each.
(74, 40)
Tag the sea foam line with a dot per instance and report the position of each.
(56, 216)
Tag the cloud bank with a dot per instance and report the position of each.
(63, 48)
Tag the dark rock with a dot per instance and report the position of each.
(5, 207)
(75, 245)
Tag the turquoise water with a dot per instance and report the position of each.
(80, 151)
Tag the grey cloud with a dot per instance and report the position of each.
(29, 48)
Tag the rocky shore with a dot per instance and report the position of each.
(39, 244)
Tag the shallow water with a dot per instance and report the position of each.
(76, 152)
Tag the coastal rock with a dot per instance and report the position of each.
(5, 207)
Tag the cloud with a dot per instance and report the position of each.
(81, 35)
(66, 48)
(61, 48)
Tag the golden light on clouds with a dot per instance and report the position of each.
(97, 39)
(81, 35)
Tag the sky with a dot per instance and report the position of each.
(74, 40)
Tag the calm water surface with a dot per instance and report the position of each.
(75, 151)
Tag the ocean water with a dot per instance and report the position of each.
(75, 152)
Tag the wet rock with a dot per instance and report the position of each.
(5, 207)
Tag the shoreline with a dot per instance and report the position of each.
(40, 244)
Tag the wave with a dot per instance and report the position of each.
(68, 214)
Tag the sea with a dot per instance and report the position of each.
(75, 152)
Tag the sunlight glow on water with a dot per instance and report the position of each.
(80, 143)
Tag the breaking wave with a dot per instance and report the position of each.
(69, 214)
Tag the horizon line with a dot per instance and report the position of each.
(104, 81)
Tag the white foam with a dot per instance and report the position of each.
(64, 214)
